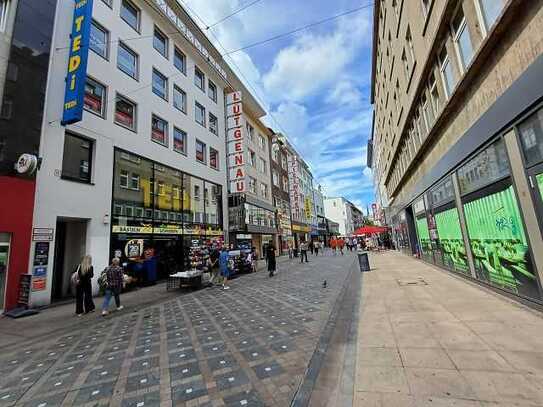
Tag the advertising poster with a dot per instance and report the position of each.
(424, 239)
(450, 240)
(499, 244)
(539, 178)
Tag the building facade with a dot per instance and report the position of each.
(457, 136)
(280, 193)
(343, 212)
(319, 233)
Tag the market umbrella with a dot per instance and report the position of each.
(370, 230)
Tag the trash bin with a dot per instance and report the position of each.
(363, 261)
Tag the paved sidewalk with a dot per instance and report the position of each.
(447, 343)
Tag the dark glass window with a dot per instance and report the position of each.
(130, 14)
(77, 159)
(99, 40)
(180, 61)
(179, 99)
(531, 137)
(125, 112)
(127, 61)
(160, 43)
(179, 141)
(200, 151)
(200, 114)
(160, 85)
(95, 97)
(199, 79)
(213, 158)
(159, 131)
(212, 91)
(213, 124)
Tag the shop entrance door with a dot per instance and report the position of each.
(4, 261)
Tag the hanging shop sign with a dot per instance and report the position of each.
(189, 36)
(294, 185)
(77, 63)
(307, 208)
(235, 143)
(26, 164)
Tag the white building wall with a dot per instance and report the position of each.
(260, 153)
(56, 197)
(338, 210)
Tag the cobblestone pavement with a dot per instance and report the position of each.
(247, 346)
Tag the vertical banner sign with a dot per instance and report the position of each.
(294, 177)
(77, 63)
(235, 146)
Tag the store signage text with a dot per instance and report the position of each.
(235, 141)
(77, 63)
(176, 20)
(294, 176)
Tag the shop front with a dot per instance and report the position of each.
(301, 233)
(163, 220)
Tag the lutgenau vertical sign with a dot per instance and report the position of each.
(235, 143)
(77, 62)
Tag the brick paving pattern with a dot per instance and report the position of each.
(247, 346)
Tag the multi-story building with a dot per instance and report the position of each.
(319, 232)
(280, 193)
(457, 135)
(252, 213)
(343, 212)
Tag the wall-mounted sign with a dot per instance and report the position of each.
(26, 164)
(24, 289)
(294, 186)
(77, 62)
(39, 283)
(134, 248)
(235, 146)
(42, 234)
(41, 254)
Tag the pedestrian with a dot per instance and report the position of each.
(114, 285)
(223, 265)
(290, 250)
(303, 251)
(213, 266)
(317, 247)
(83, 286)
(341, 244)
(270, 255)
(251, 259)
(312, 247)
(333, 245)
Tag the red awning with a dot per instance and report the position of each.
(370, 230)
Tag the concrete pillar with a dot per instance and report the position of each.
(463, 226)
(527, 207)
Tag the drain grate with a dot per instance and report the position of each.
(418, 281)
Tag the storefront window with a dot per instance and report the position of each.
(450, 239)
(195, 188)
(213, 204)
(531, 137)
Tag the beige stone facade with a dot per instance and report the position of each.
(417, 120)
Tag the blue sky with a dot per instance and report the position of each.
(315, 84)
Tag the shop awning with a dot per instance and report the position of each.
(370, 230)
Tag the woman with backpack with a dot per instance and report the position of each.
(82, 279)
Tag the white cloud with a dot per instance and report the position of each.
(345, 93)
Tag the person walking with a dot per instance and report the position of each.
(270, 256)
(83, 287)
(312, 247)
(303, 251)
(333, 245)
(341, 245)
(317, 247)
(290, 251)
(223, 265)
(213, 266)
(251, 258)
(114, 284)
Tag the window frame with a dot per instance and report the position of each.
(138, 15)
(204, 161)
(456, 35)
(158, 31)
(185, 141)
(216, 120)
(103, 112)
(166, 84)
(167, 131)
(135, 119)
(90, 158)
(177, 51)
(214, 94)
(100, 27)
(137, 61)
(443, 64)
(196, 105)
(198, 70)
(178, 89)
(217, 165)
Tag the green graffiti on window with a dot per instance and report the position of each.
(450, 239)
(539, 178)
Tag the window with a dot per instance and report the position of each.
(125, 112)
(531, 137)
(200, 114)
(406, 66)
(262, 142)
(284, 162)
(99, 40)
(179, 141)
(213, 124)
(127, 61)
(212, 91)
(250, 131)
(491, 10)
(199, 79)
(179, 99)
(197, 192)
(135, 182)
(285, 183)
(160, 85)
(252, 158)
(434, 94)
(159, 130)
(77, 159)
(275, 178)
(130, 14)
(262, 166)
(461, 38)
(95, 97)
(252, 185)
(123, 179)
(180, 61)
(447, 74)
(275, 153)
(200, 151)
(4, 14)
(160, 43)
(263, 190)
(213, 158)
